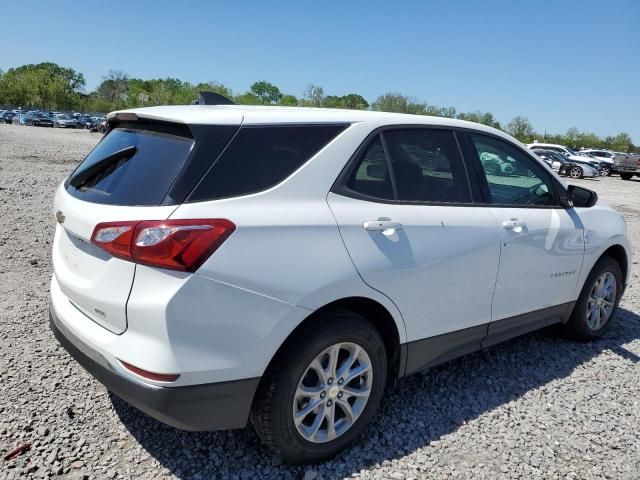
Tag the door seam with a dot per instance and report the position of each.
(358, 271)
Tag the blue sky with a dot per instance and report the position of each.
(560, 63)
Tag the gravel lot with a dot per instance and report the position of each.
(535, 407)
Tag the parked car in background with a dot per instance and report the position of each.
(566, 167)
(19, 119)
(568, 152)
(65, 121)
(627, 166)
(606, 158)
(86, 122)
(101, 126)
(216, 266)
(7, 117)
(599, 153)
(38, 119)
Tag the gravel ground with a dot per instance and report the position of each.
(535, 407)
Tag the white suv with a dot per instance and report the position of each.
(607, 158)
(216, 265)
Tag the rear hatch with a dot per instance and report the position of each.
(137, 172)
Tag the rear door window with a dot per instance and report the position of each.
(371, 176)
(260, 157)
(131, 166)
(427, 166)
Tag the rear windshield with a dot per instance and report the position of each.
(131, 166)
(260, 157)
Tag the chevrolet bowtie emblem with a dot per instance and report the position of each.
(59, 216)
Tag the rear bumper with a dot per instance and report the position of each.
(213, 406)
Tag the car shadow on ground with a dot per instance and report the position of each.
(420, 409)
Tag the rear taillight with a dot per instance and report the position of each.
(174, 244)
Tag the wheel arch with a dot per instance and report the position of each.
(374, 312)
(619, 254)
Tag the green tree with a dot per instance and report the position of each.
(521, 128)
(288, 101)
(266, 92)
(395, 102)
(571, 138)
(114, 88)
(622, 143)
(247, 99)
(485, 118)
(46, 85)
(449, 112)
(354, 101)
(313, 96)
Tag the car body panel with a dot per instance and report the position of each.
(419, 265)
(539, 263)
(603, 228)
(97, 283)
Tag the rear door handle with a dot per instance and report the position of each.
(381, 225)
(514, 224)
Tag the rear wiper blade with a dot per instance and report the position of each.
(84, 175)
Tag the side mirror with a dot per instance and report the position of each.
(581, 197)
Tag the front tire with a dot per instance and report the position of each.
(626, 176)
(596, 307)
(321, 392)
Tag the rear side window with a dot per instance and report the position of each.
(427, 166)
(260, 157)
(371, 175)
(131, 166)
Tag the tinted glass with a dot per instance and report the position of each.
(371, 175)
(558, 157)
(142, 178)
(260, 157)
(427, 166)
(514, 178)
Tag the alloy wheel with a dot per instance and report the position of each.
(333, 392)
(575, 172)
(601, 301)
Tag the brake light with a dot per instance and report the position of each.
(174, 244)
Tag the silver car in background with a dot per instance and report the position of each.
(65, 121)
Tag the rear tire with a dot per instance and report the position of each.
(301, 376)
(576, 172)
(626, 176)
(597, 305)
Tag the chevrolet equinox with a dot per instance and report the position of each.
(219, 265)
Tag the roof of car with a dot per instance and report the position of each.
(260, 115)
(544, 145)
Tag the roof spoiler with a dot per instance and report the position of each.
(211, 98)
